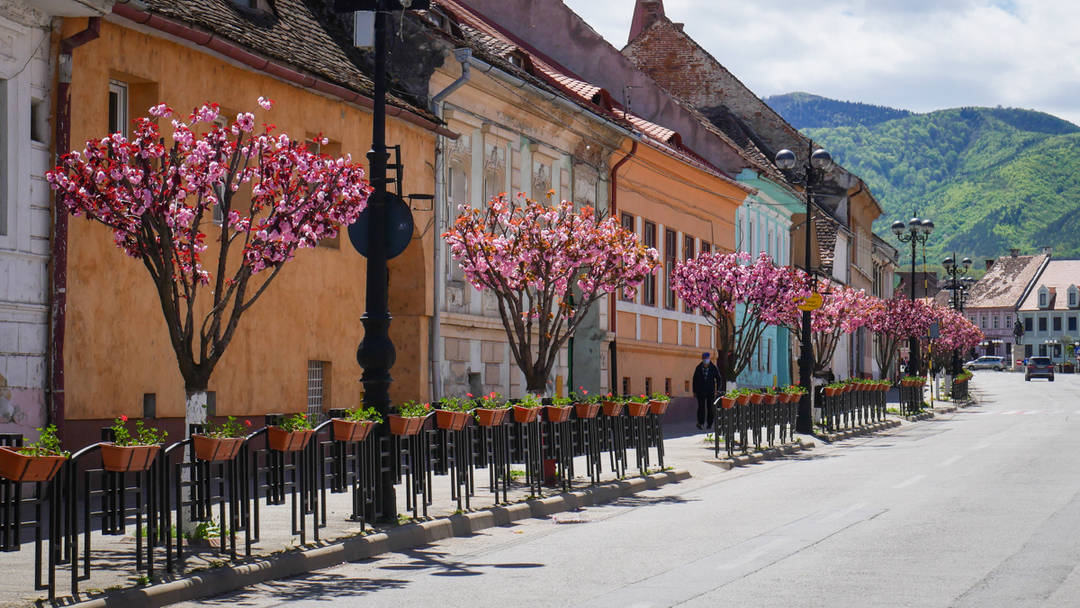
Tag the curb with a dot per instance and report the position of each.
(227, 578)
(919, 417)
(767, 454)
(863, 430)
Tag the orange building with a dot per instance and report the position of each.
(294, 350)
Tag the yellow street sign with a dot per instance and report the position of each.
(813, 302)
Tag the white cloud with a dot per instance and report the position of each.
(919, 55)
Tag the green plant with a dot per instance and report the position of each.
(295, 422)
(457, 404)
(563, 401)
(413, 409)
(642, 398)
(613, 398)
(229, 428)
(659, 397)
(734, 393)
(529, 400)
(362, 414)
(47, 444)
(840, 384)
(795, 388)
(914, 378)
(492, 401)
(144, 435)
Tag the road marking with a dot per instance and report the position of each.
(950, 461)
(909, 482)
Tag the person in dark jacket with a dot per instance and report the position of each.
(706, 381)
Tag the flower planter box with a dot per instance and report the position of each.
(768, 399)
(525, 415)
(637, 410)
(284, 441)
(612, 408)
(451, 421)
(830, 392)
(658, 407)
(742, 399)
(756, 398)
(586, 411)
(23, 467)
(557, 413)
(215, 449)
(124, 458)
(406, 427)
(727, 402)
(351, 430)
(491, 417)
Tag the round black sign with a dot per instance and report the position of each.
(399, 227)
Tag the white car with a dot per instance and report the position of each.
(987, 362)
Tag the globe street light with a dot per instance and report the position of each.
(820, 163)
(916, 232)
(958, 283)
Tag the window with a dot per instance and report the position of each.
(118, 107)
(318, 384)
(1072, 323)
(39, 121)
(995, 321)
(1057, 323)
(1028, 351)
(688, 248)
(1044, 298)
(670, 257)
(705, 247)
(627, 222)
(768, 355)
(1042, 323)
(750, 237)
(1028, 324)
(648, 385)
(626, 385)
(667, 386)
(1042, 350)
(1073, 296)
(648, 287)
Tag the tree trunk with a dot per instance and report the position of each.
(536, 383)
(195, 403)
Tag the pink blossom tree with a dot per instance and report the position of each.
(532, 257)
(272, 194)
(894, 321)
(843, 311)
(740, 299)
(955, 332)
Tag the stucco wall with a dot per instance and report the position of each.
(117, 347)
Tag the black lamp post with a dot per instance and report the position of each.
(819, 163)
(958, 283)
(916, 232)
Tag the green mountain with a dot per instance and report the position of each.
(990, 178)
(806, 111)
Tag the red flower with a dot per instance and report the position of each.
(469, 395)
(123, 417)
(427, 406)
(247, 423)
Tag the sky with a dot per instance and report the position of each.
(918, 55)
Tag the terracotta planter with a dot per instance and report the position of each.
(491, 417)
(284, 441)
(829, 392)
(23, 467)
(557, 413)
(742, 399)
(525, 415)
(586, 410)
(794, 397)
(756, 398)
(123, 458)
(637, 410)
(658, 407)
(451, 421)
(612, 408)
(406, 427)
(351, 430)
(214, 449)
(727, 402)
(768, 399)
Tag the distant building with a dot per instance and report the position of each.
(993, 300)
(1050, 312)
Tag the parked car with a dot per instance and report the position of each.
(987, 362)
(1039, 367)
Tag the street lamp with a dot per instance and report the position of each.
(916, 232)
(820, 163)
(958, 283)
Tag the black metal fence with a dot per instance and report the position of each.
(911, 398)
(753, 424)
(853, 408)
(178, 490)
(959, 390)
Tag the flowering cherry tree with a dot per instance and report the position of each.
(532, 256)
(740, 299)
(843, 311)
(955, 332)
(894, 321)
(272, 194)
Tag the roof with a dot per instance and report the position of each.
(291, 33)
(1058, 276)
(1004, 284)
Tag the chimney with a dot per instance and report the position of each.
(1048, 250)
(990, 262)
(1014, 252)
(645, 13)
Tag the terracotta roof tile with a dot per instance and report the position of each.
(1058, 276)
(1003, 285)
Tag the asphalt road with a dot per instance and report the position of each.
(977, 508)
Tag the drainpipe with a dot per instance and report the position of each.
(462, 55)
(58, 291)
(612, 298)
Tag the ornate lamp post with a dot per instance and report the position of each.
(916, 232)
(819, 163)
(958, 284)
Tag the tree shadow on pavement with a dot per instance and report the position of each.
(441, 565)
(324, 586)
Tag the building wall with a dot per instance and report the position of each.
(118, 350)
(659, 345)
(514, 141)
(25, 82)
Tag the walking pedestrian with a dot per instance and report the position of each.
(705, 382)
